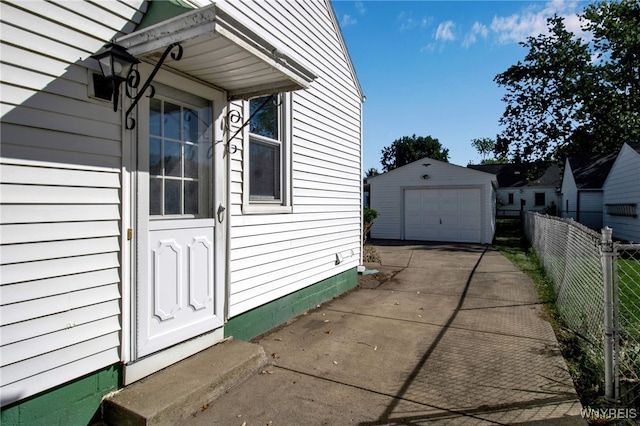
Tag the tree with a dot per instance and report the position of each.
(371, 172)
(574, 96)
(543, 95)
(412, 148)
(484, 146)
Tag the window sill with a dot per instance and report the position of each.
(265, 209)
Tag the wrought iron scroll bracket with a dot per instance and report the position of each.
(235, 116)
(133, 81)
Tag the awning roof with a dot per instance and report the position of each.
(220, 50)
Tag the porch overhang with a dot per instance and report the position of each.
(222, 51)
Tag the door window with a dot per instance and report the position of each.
(180, 160)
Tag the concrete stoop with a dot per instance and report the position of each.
(172, 395)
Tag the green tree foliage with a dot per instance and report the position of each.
(486, 147)
(571, 96)
(412, 148)
(371, 172)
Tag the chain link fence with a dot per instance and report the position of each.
(574, 258)
(626, 296)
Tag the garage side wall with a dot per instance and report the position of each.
(387, 194)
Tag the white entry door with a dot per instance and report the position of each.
(179, 284)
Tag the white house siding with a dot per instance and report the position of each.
(623, 187)
(569, 196)
(387, 194)
(61, 196)
(273, 255)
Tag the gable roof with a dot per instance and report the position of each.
(591, 170)
(514, 176)
(426, 161)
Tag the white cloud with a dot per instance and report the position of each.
(428, 48)
(478, 29)
(360, 7)
(533, 21)
(445, 31)
(407, 22)
(347, 20)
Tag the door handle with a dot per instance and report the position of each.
(220, 213)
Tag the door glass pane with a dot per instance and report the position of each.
(172, 159)
(191, 161)
(155, 157)
(172, 196)
(171, 121)
(155, 196)
(155, 117)
(264, 179)
(191, 197)
(191, 125)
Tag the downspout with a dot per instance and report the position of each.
(578, 205)
(361, 261)
(227, 205)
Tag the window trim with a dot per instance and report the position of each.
(284, 205)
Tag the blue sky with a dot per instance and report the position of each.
(427, 67)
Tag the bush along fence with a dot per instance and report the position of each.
(597, 287)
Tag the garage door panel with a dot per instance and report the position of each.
(451, 214)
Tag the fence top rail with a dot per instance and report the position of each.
(569, 221)
(627, 246)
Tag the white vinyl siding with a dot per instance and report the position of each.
(623, 187)
(60, 177)
(569, 194)
(273, 255)
(389, 189)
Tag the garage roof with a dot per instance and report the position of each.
(222, 51)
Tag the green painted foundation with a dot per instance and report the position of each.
(74, 403)
(266, 317)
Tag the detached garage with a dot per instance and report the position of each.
(430, 200)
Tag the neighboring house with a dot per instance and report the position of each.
(432, 200)
(516, 193)
(622, 194)
(128, 246)
(582, 191)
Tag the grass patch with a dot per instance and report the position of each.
(511, 243)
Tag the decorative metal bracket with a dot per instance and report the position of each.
(234, 116)
(133, 81)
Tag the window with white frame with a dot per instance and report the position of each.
(266, 157)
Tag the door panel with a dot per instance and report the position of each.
(451, 214)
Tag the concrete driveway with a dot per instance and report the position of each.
(444, 333)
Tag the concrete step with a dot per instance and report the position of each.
(177, 392)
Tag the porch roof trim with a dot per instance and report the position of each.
(221, 50)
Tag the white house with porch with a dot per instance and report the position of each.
(220, 200)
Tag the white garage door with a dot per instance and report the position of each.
(443, 215)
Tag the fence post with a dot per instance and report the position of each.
(606, 253)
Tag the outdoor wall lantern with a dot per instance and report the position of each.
(117, 64)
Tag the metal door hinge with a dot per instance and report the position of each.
(129, 234)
